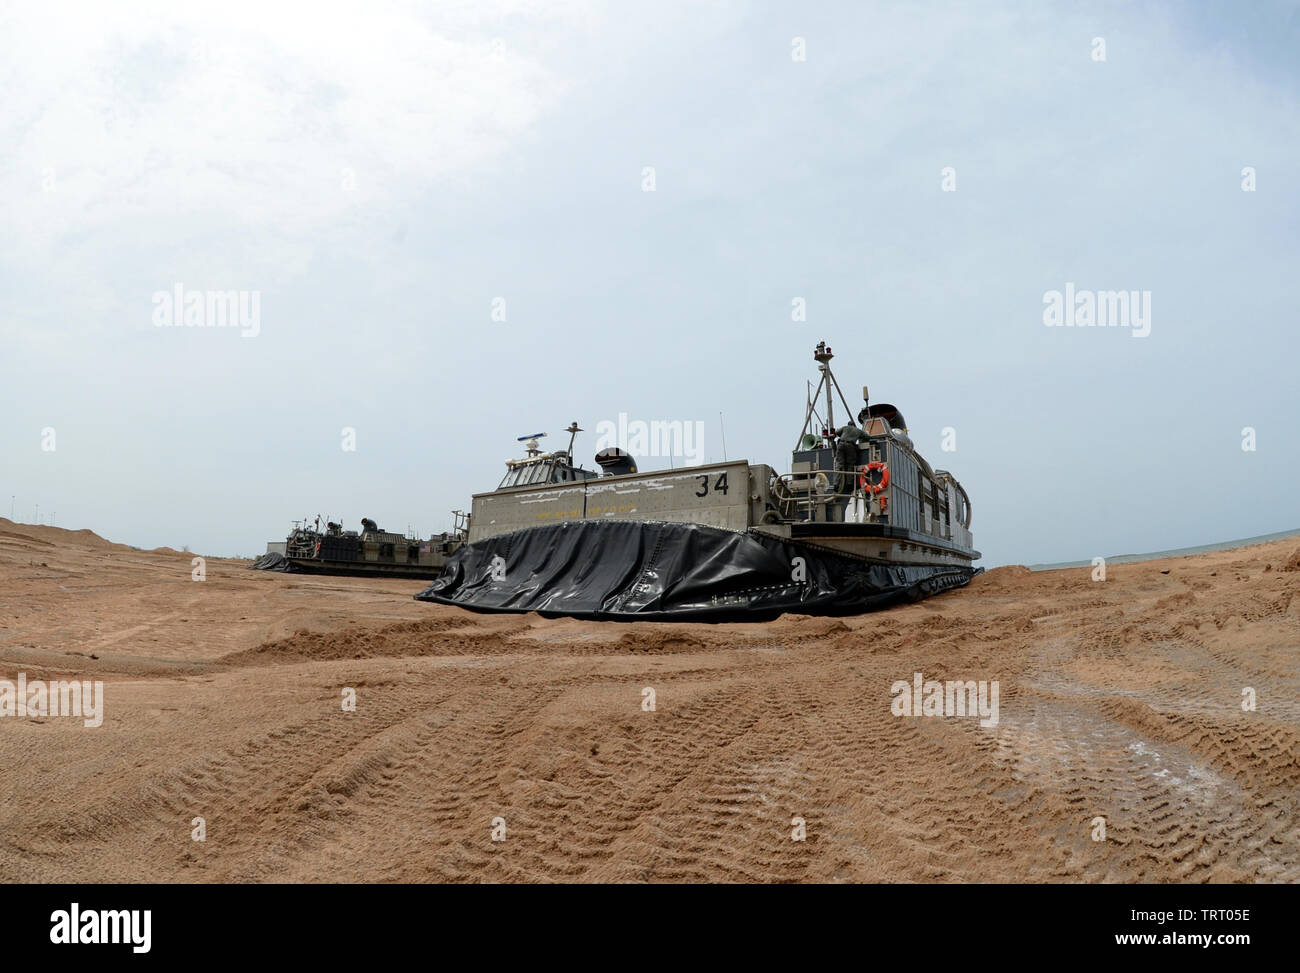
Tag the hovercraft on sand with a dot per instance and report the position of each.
(860, 522)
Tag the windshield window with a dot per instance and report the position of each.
(539, 473)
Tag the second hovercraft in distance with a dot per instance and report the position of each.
(365, 553)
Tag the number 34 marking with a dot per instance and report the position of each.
(719, 485)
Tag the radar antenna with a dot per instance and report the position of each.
(530, 442)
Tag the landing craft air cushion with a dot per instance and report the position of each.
(860, 522)
(370, 551)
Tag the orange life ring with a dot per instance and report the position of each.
(884, 476)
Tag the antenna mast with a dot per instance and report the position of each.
(573, 431)
(823, 355)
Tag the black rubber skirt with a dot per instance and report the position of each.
(272, 562)
(342, 569)
(645, 570)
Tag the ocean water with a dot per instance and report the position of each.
(1179, 552)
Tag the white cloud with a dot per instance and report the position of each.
(136, 123)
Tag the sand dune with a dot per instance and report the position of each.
(1119, 699)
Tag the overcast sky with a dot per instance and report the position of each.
(381, 177)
